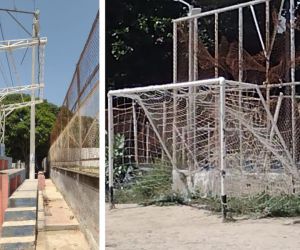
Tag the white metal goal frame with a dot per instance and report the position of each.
(232, 106)
(266, 37)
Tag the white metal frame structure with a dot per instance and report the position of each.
(5, 110)
(267, 45)
(222, 112)
(266, 42)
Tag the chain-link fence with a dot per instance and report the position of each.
(75, 136)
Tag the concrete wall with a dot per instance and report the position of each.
(10, 180)
(237, 183)
(82, 194)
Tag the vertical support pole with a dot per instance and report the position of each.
(174, 52)
(110, 151)
(240, 80)
(208, 142)
(195, 77)
(191, 94)
(268, 48)
(183, 146)
(135, 135)
(222, 147)
(174, 94)
(267, 40)
(68, 130)
(32, 107)
(79, 114)
(174, 139)
(215, 125)
(191, 50)
(293, 66)
(147, 142)
(164, 128)
(195, 51)
(216, 45)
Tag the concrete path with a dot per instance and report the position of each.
(19, 227)
(58, 228)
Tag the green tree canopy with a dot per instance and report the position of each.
(17, 129)
(139, 36)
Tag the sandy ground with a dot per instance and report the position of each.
(182, 227)
(61, 240)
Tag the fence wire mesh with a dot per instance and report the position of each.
(75, 136)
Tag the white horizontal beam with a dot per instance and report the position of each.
(164, 87)
(21, 43)
(221, 10)
(213, 81)
(16, 89)
(8, 108)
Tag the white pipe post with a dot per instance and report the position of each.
(110, 151)
(222, 147)
(32, 107)
(208, 142)
(268, 47)
(174, 52)
(174, 94)
(267, 40)
(293, 66)
(258, 30)
(240, 80)
(147, 142)
(135, 134)
(190, 54)
(174, 139)
(164, 127)
(216, 45)
(195, 77)
(191, 93)
(183, 146)
(195, 51)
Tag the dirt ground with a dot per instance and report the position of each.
(130, 227)
(61, 240)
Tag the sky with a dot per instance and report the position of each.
(66, 24)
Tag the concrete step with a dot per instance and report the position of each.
(20, 221)
(17, 243)
(23, 199)
(20, 214)
(19, 228)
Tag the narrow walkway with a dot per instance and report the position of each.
(58, 227)
(19, 227)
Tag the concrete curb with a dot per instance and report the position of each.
(41, 212)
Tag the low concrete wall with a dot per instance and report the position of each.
(81, 192)
(237, 183)
(10, 180)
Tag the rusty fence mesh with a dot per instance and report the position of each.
(75, 136)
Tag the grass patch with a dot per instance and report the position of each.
(261, 205)
(154, 187)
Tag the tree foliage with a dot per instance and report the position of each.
(17, 129)
(139, 36)
(139, 41)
